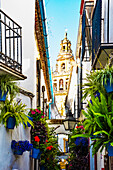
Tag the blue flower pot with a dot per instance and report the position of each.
(11, 122)
(2, 98)
(81, 140)
(78, 140)
(28, 124)
(17, 152)
(108, 86)
(110, 149)
(30, 118)
(36, 153)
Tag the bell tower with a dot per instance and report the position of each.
(61, 76)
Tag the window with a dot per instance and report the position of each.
(63, 48)
(55, 86)
(63, 66)
(61, 84)
(66, 85)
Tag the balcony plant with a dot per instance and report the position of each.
(18, 147)
(99, 80)
(38, 133)
(36, 152)
(99, 122)
(14, 111)
(50, 150)
(36, 114)
(40, 125)
(78, 150)
(7, 86)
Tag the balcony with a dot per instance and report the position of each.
(10, 47)
(86, 30)
(102, 34)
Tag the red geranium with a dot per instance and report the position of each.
(49, 147)
(37, 139)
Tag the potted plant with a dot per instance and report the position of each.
(50, 150)
(99, 122)
(99, 80)
(78, 150)
(18, 147)
(7, 86)
(39, 130)
(38, 137)
(36, 152)
(14, 112)
(36, 114)
(79, 130)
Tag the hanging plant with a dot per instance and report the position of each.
(17, 111)
(18, 147)
(7, 85)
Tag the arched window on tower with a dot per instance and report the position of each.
(66, 83)
(55, 86)
(61, 84)
(62, 66)
(64, 48)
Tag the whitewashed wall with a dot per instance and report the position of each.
(72, 90)
(23, 13)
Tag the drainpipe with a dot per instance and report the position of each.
(51, 102)
(43, 90)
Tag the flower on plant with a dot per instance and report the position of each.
(46, 140)
(21, 145)
(37, 139)
(81, 127)
(49, 147)
(32, 112)
(42, 116)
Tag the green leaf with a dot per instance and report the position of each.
(102, 131)
(81, 135)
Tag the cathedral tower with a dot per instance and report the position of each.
(61, 76)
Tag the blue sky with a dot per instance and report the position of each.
(61, 15)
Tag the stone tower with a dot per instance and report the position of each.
(61, 76)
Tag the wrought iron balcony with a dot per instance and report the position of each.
(102, 39)
(86, 30)
(10, 44)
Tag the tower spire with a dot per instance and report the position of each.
(65, 33)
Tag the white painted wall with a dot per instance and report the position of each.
(23, 13)
(61, 141)
(72, 90)
(7, 159)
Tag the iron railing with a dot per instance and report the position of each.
(10, 43)
(96, 28)
(86, 30)
(83, 31)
